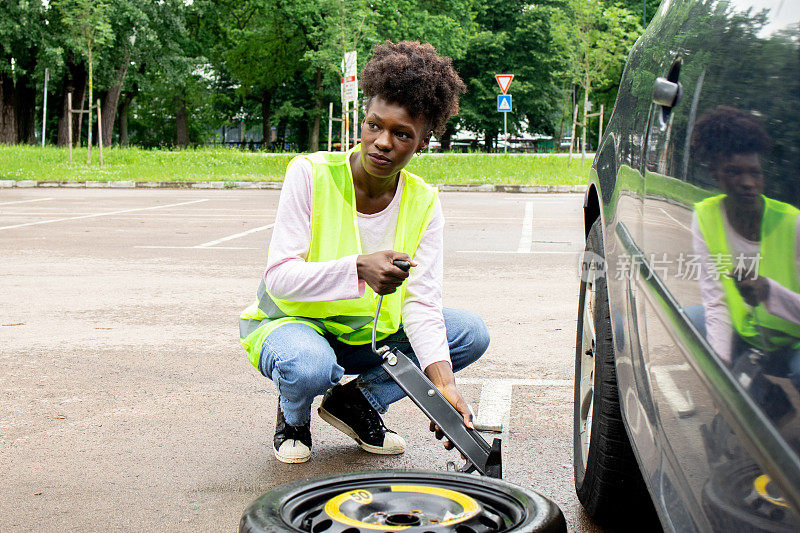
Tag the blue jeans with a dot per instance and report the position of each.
(304, 364)
(784, 362)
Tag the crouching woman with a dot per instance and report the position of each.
(342, 219)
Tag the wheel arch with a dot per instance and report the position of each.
(591, 208)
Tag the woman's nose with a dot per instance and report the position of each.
(383, 141)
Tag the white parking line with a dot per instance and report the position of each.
(25, 201)
(448, 218)
(494, 406)
(530, 382)
(680, 400)
(534, 252)
(198, 247)
(94, 215)
(127, 216)
(565, 197)
(213, 244)
(527, 230)
(234, 236)
(681, 224)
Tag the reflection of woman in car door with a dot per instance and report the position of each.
(748, 247)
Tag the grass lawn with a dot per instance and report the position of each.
(213, 164)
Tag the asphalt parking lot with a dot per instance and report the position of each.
(129, 404)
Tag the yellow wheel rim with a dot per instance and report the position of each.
(352, 508)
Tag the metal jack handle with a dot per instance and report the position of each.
(478, 454)
(404, 266)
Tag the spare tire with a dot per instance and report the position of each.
(402, 500)
(739, 496)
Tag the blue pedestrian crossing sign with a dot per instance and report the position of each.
(504, 103)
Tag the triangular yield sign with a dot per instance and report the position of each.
(504, 80)
(505, 104)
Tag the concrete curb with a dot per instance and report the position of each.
(5, 184)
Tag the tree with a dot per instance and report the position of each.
(331, 27)
(24, 40)
(87, 22)
(594, 37)
(328, 28)
(513, 37)
(446, 24)
(132, 25)
(260, 47)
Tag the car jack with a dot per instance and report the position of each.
(479, 456)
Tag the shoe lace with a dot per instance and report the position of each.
(373, 421)
(301, 433)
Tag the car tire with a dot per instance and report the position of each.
(303, 506)
(732, 501)
(607, 476)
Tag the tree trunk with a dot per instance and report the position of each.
(302, 133)
(125, 108)
(123, 121)
(313, 144)
(80, 115)
(74, 82)
(8, 110)
(585, 119)
(489, 140)
(109, 104)
(447, 137)
(111, 100)
(445, 141)
(89, 113)
(557, 143)
(280, 137)
(26, 111)
(181, 122)
(266, 116)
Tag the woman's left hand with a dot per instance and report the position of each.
(753, 290)
(441, 375)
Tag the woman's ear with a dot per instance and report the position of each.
(424, 143)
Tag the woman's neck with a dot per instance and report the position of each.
(745, 219)
(373, 194)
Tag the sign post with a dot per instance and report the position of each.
(504, 103)
(44, 105)
(349, 94)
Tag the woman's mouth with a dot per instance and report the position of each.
(379, 160)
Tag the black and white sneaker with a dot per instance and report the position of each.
(345, 408)
(292, 444)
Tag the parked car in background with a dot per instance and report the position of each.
(687, 410)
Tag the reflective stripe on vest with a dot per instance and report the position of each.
(335, 234)
(777, 261)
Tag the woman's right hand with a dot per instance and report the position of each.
(379, 273)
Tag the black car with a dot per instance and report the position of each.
(687, 402)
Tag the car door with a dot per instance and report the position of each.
(725, 462)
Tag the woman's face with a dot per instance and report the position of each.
(389, 138)
(741, 178)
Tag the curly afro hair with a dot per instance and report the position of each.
(415, 76)
(727, 130)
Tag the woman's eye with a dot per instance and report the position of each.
(403, 135)
(372, 126)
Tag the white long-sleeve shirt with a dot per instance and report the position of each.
(780, 302)
(289, 276)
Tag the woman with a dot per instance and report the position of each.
(342, 219)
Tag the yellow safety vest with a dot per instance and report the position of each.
(335, 234)
(777, 261)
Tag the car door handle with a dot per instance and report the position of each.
(667, 93)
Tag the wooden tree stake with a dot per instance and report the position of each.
(100, 131)
(69, 124)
